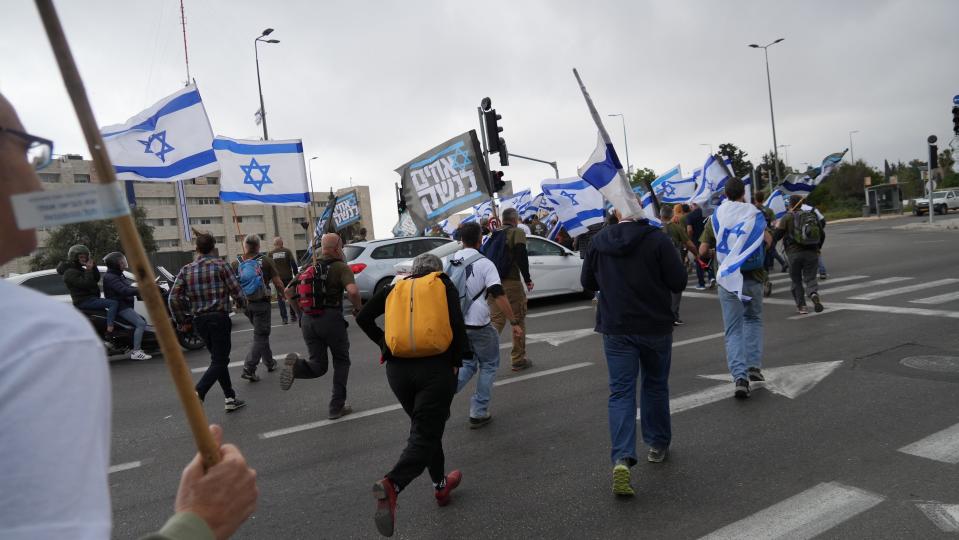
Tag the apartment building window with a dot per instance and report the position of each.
(156, 201)
(212, 180)
(298, 220)
(206, 221)
(202, 201)
(49, 178)
(81, 179)
(161, 222)
(219, 239)
(249, 219)
(298, 237)
(168, 243)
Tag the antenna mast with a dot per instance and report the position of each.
(186, 54)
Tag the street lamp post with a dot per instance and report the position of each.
(629, 167)
(259, 86)
(785, 148)
(852, 154)
(772, 116)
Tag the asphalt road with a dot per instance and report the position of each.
(851, 443)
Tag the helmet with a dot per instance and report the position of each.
(75, 251)
(112, 260)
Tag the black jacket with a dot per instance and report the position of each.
(636, 269)
(459, 348)
(83, 284)
(117, 287)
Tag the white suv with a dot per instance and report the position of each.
(372, 262)
(942, 202)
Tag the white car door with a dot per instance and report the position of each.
(554, 269)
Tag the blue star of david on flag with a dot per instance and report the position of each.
(570, 196)
(460, 159)
(165, 147)
(248, 174)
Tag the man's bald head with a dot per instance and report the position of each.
(16, 176)
(278, 242)
(331, 244)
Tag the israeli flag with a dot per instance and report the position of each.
(647, 200)
(171, 140)
(484, 209)
(520, 201)
(739, 229)
(672, 188)
(776, 202)
(803, 184)
(604, 172)
(554, 229)
(469, 218)
(578, 204)
(444, 225)
(262, 172)
(714, 176)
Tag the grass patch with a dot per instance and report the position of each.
(842, 213)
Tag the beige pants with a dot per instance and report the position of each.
(516, 294)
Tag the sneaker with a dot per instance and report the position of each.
(621, 484)
(453, 479)
(476, 423)
(385, 517)
(802, 310)
(657, 455)
(525, 365)
(742, 389)
(250, 376)
(767, 289)
(271, 367)
(815, 302)
(286, 376)
(678, 322)
(712, 284)
(139, 355)
(823, 277)
(231, 404)
(755, 374)
(340, 413)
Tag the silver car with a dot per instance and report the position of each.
(372, 262)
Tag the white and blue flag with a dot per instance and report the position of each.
(739, 229)
(713, 180)
(483, 209)
(262, 172)
(577, 203)
(803, 184)
(171, 140)
(777, 203)
(555, 227)
(647, 200)
(520, 201)
(672, 188)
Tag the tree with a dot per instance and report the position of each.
(843, 189)
(769, 163)
(741, 167)
(100, 236)
(641, 177)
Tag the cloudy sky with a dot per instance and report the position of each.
(370, 85)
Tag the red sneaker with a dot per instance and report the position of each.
(452, 480)
(385, 516)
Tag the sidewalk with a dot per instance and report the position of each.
(938, 224)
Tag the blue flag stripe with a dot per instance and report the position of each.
(186, 164)
(257, 149)
(181, 102)
(238, 196)
(455, 202)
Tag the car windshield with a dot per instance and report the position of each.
(939, 194)
(352, 252)
(446, 249)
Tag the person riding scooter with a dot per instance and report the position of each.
(117, 287)
(82, 278)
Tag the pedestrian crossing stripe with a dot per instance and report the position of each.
(856, 286)
(904, 290)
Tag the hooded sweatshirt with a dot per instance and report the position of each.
(83, 284)
(637, 269)
(117, 287)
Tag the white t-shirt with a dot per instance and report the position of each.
(54, 421)
(525, 228)
(484, 276)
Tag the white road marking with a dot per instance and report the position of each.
(942, 446)
(250, 329)
(777, 290)
(556, 312)
(827, 311)
(866, 285)
(277, 357)
(941, 299)
(124, 467)
(802, 516)
(842, 279)
(543, 373)
(945, 516)
(904, 290)
(396, 407)
(888, 310)
(697, 339)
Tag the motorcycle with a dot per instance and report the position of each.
(121, 341)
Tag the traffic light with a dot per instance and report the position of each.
(401, 205)
(498, 183)
(955, 120)
(503, 152)
(493, 130)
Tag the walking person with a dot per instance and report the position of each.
(695, 224)
(638, 269)
(507, 249)
(477, 280)
(255, 272)
(117, 287)
(682, 244)
(285, 262)
(771, 253)
(423, 346)
(82, 278)
(801, 233)
(318, 290)
(200, 297)
(741, 230)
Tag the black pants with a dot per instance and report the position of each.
(322, 332)
(803, 266)
(259, 314)
(425, 389)
(215, 329)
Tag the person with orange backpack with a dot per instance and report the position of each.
(423, 345)
(318, 292)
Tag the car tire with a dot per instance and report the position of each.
(382, 283)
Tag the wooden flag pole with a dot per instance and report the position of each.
(130, 240)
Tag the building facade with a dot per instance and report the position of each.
(228, 223)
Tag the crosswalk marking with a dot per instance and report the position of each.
(802, 516)
(940, 299)
(855, 286)
(942, 446)
(945, 516)
(904, 290)
(831, 280)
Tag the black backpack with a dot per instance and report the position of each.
(497, 250)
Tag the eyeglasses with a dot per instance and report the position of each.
(39, 150)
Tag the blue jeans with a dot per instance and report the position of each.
(629, 357)
(485, 344)
(822, 267)
(139, 323)
(93, 304)
(744, 328)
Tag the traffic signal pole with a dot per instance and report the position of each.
(489, 173)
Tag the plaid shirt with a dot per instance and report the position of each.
(204, 286)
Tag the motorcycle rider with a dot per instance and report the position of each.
(117, 287)
(82, 278)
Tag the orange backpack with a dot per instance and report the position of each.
(417, 317)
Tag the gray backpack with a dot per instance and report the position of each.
(459, 271)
